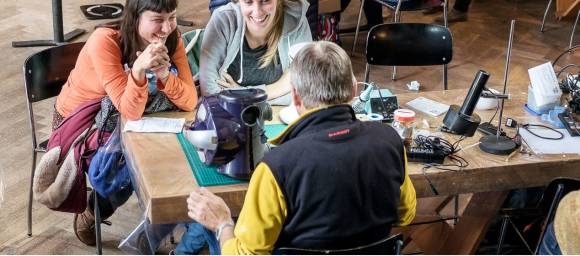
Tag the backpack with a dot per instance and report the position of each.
(328, 28)
(59, 182)
(192, 41)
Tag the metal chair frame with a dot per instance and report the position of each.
(50, 88)
(555, 191)
(573, 26)
(56, 64)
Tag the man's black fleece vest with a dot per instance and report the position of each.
(341, 180)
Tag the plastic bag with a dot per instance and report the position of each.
(146, 238)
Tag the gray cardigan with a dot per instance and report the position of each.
(224, 36)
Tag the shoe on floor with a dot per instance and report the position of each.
(453, 16)
(433, 10)
(84, 227)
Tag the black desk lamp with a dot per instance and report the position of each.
(462, 120)
(499, 144)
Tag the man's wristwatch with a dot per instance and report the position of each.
(220, 228)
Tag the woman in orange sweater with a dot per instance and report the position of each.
(114, 63)
(137, 65)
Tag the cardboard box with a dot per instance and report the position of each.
(328, 6)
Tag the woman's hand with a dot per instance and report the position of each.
(162, 71)
(208, 209)
(227, 81)
(154, 58)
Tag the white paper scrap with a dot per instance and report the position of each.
(155, 124)
(567, 145)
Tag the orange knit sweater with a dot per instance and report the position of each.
(99, 72)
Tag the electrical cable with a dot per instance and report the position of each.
(566, 67)
(447, 148)
(564, 52)
(527, 128)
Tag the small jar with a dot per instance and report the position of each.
(404, 124)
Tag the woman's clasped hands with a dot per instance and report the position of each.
(154, 58)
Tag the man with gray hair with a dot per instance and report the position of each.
(333, 182)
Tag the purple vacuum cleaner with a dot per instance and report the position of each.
(229, 130)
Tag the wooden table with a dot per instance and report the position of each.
(165, 179)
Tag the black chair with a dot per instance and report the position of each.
(409, 44)
(391, 245)
(399, 6)
(545, 211)
(45, 73)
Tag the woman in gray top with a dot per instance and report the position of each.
(246, 44)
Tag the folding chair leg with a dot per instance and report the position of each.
(396, 19)
(30, 193)
(445, 78)
(97, 213)
(445, 7)
(545, 14)
(521, 237)
(398, 246)
(362, 4)
(501, 235)
(550, 215)
(398, 11)
(574, 29)
(456, 209)
(367, 72)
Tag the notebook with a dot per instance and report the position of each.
(427, 106)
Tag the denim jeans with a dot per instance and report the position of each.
(195, 238)
(549, 244)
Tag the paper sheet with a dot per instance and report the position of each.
(155, 124)
(567, 145)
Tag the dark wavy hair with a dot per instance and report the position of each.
(128, 27)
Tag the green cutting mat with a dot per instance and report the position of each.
(208, 175)
(205, 175)
(273, 130)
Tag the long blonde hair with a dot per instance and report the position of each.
(274, 37)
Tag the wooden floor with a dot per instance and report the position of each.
(478, 44)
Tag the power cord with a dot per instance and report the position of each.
(527, 128)
(446, 148)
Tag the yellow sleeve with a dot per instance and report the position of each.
(408, 200)
(261, 218)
